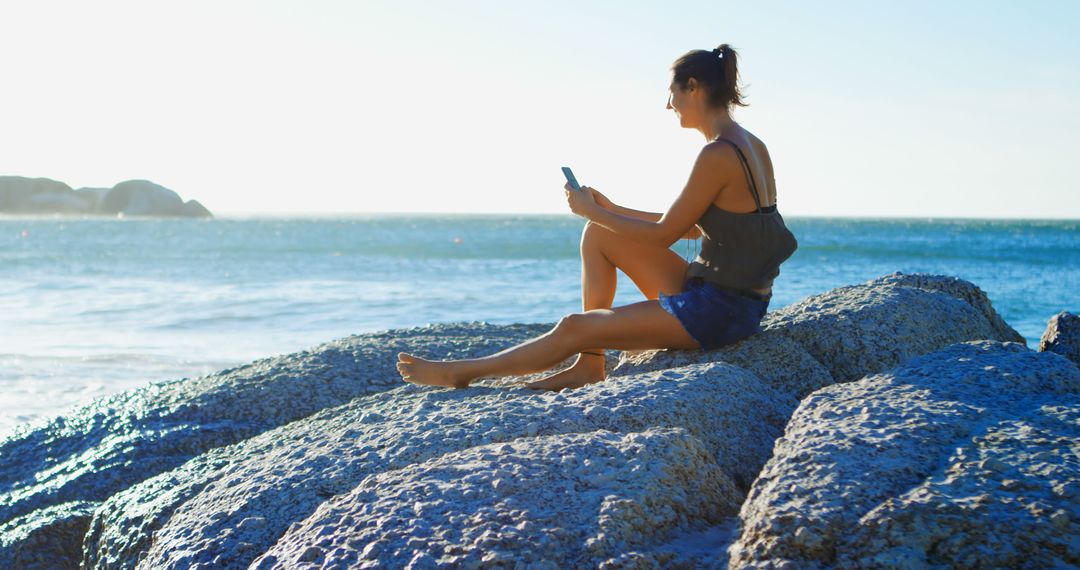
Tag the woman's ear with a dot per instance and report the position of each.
(691, 84)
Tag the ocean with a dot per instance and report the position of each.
(90, 307)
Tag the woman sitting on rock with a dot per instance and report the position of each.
(716, 300)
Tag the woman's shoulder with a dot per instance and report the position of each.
(742, 138)
(749, 144)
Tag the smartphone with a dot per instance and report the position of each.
(570, 178)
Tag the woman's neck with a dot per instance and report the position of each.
(717, 125)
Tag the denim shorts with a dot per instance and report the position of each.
(715, 317)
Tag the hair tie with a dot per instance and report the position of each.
(718, 52)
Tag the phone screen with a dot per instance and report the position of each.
(570, 178)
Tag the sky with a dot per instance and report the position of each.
(883, 109)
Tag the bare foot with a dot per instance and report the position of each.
(587, 369)
(430, 372)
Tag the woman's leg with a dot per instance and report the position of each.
(652, 269)
(634, 327)
(637, 326)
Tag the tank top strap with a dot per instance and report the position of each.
(746, 169)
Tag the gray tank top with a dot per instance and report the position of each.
(742, 251)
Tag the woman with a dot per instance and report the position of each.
(718, 299)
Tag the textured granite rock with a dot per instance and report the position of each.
(212, 472)
(849, 332)
(115, 442)
(228, 506)
(1062, 336)
(777, 360)
(46, 539)
(575, 500)
(968, 456)
(863, 329)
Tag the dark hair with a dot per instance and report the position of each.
(716, 71)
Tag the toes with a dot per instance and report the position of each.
(404, 357)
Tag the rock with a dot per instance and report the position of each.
(588, 497)
(19, 195)
(283, 476)
(777, 360)
(216, 471)
(57, 203)
(115, 442)
(93, 196)
(141, 198)
(194, 209)
(863, 329)
(1062, 336)
(959, 457)
(46, 539)
(847, 333)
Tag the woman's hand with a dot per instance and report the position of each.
(581, 202)
(599, 198)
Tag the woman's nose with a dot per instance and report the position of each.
(668, 106)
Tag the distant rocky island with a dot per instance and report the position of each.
(35, 196)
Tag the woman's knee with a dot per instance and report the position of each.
(592, 232)
(571, 326)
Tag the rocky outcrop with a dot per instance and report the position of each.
(506, 504)
(47, 539)
(19, 195)
(777, 360)
(862, 329)
(194, 209)
(969, 456)
(117, 441)
(326, 457)
(93, 196)
(1062, 336)
(849, 332)
(281, 477)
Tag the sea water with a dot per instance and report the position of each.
(89, 307)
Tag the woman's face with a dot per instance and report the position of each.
(683, 102)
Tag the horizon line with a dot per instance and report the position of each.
(242, 214)
(236, 215)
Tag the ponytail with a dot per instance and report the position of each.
(717, 71)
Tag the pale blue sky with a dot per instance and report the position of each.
(960, 109)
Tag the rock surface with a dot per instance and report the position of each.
(28, 195)
(197, 511)
(1062, 336)
(777, 360)
(47, 539)
(19, 195)
(326, 456)
(862, 329)
(969, 456)
(506, 504)
(849, 332)
(117, 441)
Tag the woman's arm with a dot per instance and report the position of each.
(713, 168)
(693, 233)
